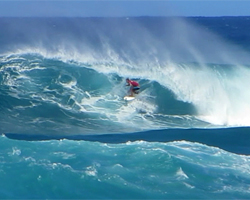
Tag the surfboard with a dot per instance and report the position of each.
(128, 98)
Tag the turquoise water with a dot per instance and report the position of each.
(67, 133)
(81, 169)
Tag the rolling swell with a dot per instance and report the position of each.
(234, 140)
(137, 170)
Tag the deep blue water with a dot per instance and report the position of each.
(67, 132)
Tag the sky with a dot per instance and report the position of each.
(123, 8)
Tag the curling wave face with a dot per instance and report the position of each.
(41, 95)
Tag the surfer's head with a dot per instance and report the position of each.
(127, 79)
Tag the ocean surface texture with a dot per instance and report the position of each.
(67, 133)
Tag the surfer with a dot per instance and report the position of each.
(134, 89)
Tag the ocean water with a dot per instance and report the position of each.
(67, 133)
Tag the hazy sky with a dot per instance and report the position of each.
(104, 8)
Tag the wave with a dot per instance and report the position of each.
(234, 140)
(55, 96)
(70, 78)
(51, 95)
(134, 169)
